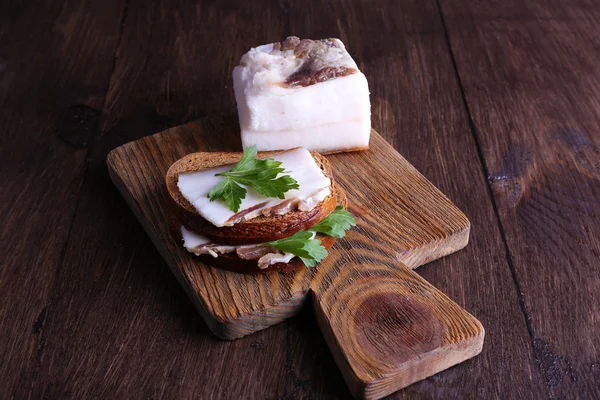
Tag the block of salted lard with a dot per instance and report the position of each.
(302, 93)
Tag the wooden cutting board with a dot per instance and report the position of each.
(385, 325)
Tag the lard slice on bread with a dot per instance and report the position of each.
(306, 93)
(299, 163)
(261, 228)
(247, 258)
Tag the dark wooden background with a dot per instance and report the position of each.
(497, 103)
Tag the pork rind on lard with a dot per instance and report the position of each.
(302, 93)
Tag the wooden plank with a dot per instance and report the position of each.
(165, 351)
(55, 65)
(417, 107)
(127, 328)
(176, 58)
(530, 74)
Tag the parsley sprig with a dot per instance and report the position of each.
(301, 244)
(250, 171)
(310, 250)
(336, 224)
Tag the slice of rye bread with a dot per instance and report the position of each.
(231, 261)
(257, 230)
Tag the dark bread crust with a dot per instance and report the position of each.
(257, 230)
(278, 227)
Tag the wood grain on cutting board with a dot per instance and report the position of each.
(403, 222)
(400, 215)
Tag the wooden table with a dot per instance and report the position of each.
(497, 103)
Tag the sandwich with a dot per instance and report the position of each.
(307, 93)
(256, 212)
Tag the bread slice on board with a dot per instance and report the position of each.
(257, 230)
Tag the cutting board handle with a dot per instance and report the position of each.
(386, 326)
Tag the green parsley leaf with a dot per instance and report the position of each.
(230, 192)
(249, 171)
(311, 251)
(301, 244)
(336, 224)
(247, 157)
(275, 187)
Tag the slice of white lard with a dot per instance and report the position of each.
(314, 186)
(199, 244)
(306, 93)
